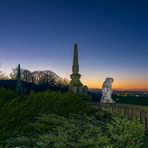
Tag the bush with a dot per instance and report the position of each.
(55, 119)
(56, 102)
(6, 94)
(56, 131)
(125, 133)
(15, 113)
(79, 130)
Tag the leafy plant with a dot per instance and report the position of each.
(125, 133)
(55, 119)
(16, 112)
(79, 130)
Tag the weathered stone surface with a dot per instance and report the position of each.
(134, 112)
(107, 91)
(19, 87)
(76, 87)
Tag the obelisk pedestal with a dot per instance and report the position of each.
(76, 87)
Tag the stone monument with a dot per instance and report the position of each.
(19, 87)
(76, 87)
(107, 91)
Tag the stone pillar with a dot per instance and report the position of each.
(19, 87)
(76, 87)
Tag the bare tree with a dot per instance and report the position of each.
(25, 75)
(2, 75)
(62, 82)
(46, 77)
(13, 74)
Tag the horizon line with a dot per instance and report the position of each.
(121, 89)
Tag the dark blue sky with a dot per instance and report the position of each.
(112, 37)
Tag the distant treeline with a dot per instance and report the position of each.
(28, 87)
(140, 100)
(34, 81)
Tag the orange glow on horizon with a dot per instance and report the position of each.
(120, 85)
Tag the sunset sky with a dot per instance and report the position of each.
(112, 38)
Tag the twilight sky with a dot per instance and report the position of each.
(112, 37)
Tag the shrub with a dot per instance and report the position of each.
(6, 94)
(79, 130)
(125, 133)
(56, 131)
(15, 113)
(55, 119)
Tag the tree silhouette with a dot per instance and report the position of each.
(2, 75)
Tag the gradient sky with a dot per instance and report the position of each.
(112, 38)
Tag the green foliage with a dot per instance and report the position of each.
(55, 119)
(80, 130)
(56, 102)
(125, 133)
(6, 94)
(15, 113)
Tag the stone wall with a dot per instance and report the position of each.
(135, 112)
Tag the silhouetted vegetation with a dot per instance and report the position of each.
(136, 100)
(34, 81)
(28, 87)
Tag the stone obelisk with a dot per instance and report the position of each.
(75, 84)
(19, 87)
